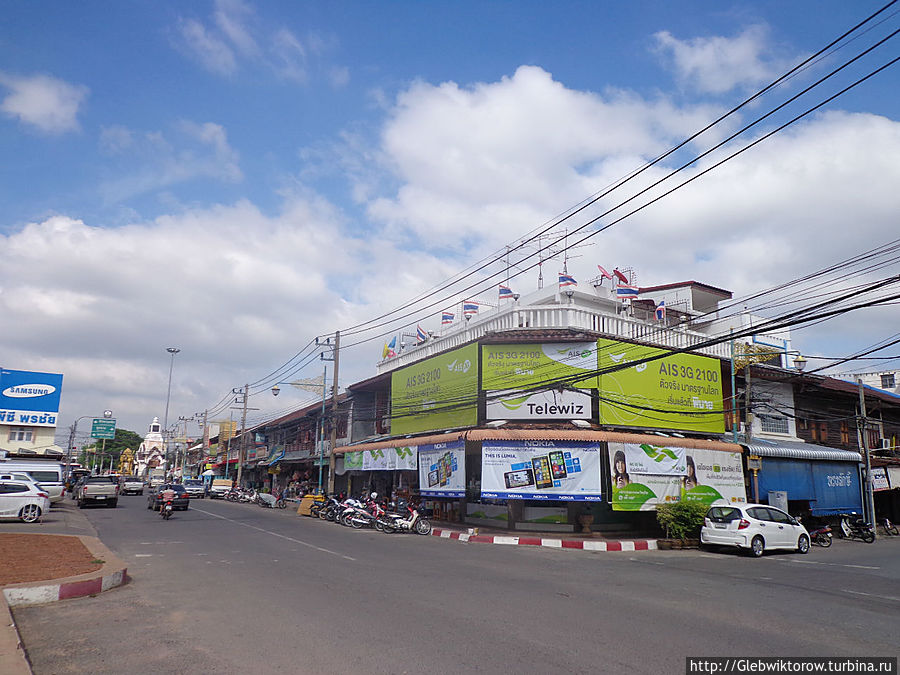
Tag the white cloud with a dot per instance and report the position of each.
(47, 103)
(153, 161)
(235, 37)
(719, 64)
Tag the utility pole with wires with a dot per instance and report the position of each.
(243, 398)
(335, 354)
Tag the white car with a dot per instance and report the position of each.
(22, 500)
(753, 528)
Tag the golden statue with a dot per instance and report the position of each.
(126, 462)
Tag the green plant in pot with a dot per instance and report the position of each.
(681, 520)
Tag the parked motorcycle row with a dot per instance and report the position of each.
(368, 512)
(263, 499)
(851, 526)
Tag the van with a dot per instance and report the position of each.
(49, 475)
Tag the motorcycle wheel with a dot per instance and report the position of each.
(423, 526)
(281, 504)
(357, 522)
(823, 540)
(387, 528)
(868, 536)
(378, 525)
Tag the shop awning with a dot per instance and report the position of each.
(794, 450)
(275, 456)
(544, 435)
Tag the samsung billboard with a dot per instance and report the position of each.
(29, 398)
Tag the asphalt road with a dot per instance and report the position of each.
(231, 588)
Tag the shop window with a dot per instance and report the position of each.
(874, 438)
(20, 435)
(887, 381)
(774, 424)
(845, 433)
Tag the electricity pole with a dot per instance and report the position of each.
(240, 463)
(864, 444)
(334, 410)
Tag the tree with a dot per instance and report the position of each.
(114, 446)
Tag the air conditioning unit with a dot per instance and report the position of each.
(886, 444)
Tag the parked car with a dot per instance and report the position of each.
(132, 485)
(98, 490)
(194, 487)
(23, 500)
(753, 528)
(154, 499)
(219, 487)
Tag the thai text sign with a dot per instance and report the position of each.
(677, 391)
(437, 393)
(645, 475)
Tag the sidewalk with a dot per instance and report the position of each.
(570, 540)
(66, 520)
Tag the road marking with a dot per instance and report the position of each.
(143, 555)
(816, 562)
(276, 534)
(871, 595)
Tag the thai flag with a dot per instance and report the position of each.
(624, 291)
(621, 277)
(661, 311)
(505, 292)
(604, 274)
(421, 335)
(566, 280)
(470, 308)
(446, 318)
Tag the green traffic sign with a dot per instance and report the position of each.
(103, 428)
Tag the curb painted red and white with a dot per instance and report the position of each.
(63, 590)
(579, 544)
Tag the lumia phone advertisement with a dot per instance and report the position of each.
(547, 470)
(442, 469)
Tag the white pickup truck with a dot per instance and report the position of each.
(98, 490)
(132, 485)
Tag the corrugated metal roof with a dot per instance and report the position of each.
(545, 435)
(791, 450)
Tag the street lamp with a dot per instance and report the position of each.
(173, 351)
(73, 430)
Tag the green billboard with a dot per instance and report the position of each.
(437, 393)
(529, 365)
(676, 391)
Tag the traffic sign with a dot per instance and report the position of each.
(103, 428)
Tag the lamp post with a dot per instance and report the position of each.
(173, 351)
(73, 430)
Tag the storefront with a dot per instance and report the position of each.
(817, 480)
(544, 479)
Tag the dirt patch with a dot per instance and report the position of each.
(40, 557)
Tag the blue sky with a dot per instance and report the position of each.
(237, 177)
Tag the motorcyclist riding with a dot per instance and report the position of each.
(168, 497)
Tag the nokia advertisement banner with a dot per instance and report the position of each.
(29, 398)
(544, 470)
(442, 469)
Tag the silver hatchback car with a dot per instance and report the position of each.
(753, 528)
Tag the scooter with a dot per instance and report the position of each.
(166, 510)
(405, 519)
(821, 536)
(856, 529)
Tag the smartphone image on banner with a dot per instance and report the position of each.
(433, 478)
(557, 464)
(520, 478)
(542, 477)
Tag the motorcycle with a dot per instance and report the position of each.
(270, 501)
(856, 529)
(821, 536)
(165, 511)
(404, 519)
